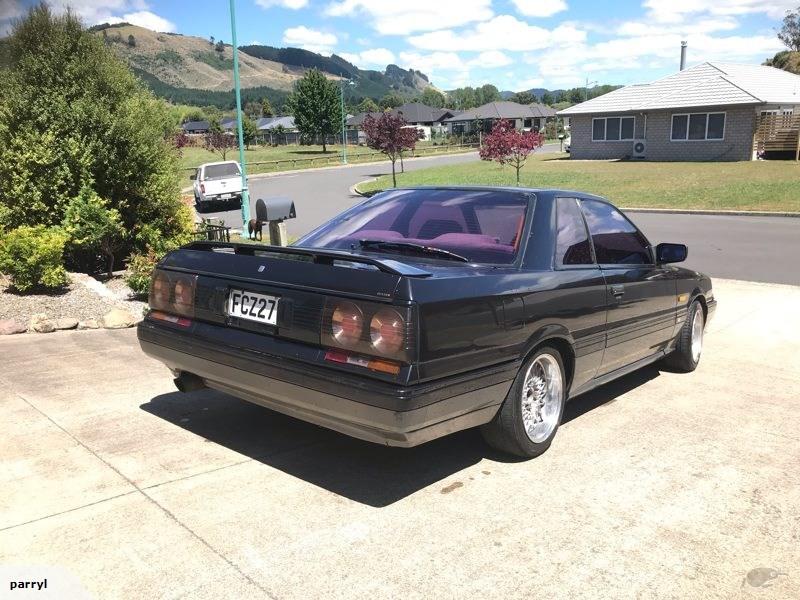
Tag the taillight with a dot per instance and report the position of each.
(387, 331)
(368, 334)
(160, 290)
(172, 292)
(347, 324)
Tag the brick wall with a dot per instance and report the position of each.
(737, 145)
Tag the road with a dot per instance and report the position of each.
(735, 247)
(658, 485)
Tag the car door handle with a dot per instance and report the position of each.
(618, 291)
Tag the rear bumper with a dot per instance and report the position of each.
(387, 414)
(219, 198)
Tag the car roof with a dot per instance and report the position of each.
(222, 162)
(523, 190)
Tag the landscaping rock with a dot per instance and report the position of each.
(89, 324)
(41, 324)
(118, 319)
(66, 323)
(10, 327)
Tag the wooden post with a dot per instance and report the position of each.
(277, 233)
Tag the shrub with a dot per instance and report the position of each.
(92, 228)
(34, 256)
(73, 115)
(140, 269)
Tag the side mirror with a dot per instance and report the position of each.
(671, 253)
(193, 176)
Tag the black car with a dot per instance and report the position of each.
(424, 311)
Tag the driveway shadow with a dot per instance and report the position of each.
(361, 471)
(368, 473)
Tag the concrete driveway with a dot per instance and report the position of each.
(660, 485)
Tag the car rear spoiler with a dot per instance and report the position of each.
(317, 256)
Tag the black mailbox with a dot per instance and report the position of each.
(275, 209)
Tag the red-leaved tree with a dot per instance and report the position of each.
(219, 141)
(389, 134)
(508, 146)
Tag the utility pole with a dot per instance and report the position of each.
(245, 191)
(344, 125)
(586, 89)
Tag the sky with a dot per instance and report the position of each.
(513, 44)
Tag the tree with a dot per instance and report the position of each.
(266, 108)
(73, 115)
(252, 109)
(547, 98)
(506, 145)
(487, 93)
(789, 32)
(523, 98)
(93, 228)
(211, 40)
(316, 107)
(220, 47)
(249, 131)
(218, 141)
(389, 135)
(432, 97)
(391, 100)
(368, 105)
(131, 41)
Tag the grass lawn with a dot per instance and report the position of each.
(292, 157)
(758, 185)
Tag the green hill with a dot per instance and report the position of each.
(199, 71)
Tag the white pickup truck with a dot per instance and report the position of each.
(218, 182)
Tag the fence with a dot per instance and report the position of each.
(267, 166)
(777, 133)
(213, 230)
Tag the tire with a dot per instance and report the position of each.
(507, 432)
(689, 347)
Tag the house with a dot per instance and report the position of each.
(357, 120)
(228, 124)
(195, 127)
(266, 124)
(712, 111)
(417, 113)
(524, 116)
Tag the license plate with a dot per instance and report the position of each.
(225, 196)
(253, 307)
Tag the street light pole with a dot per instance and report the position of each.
(586, 92)
(245, 191)
(344, 128)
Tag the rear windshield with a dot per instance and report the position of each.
(483, 226)
(222, 171)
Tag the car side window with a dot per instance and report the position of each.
(616, 241)
(572, 239)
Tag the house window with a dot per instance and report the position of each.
(698, 126)
(613, 129)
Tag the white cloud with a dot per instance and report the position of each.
(705, 25)
(675, 11)
(309, 39)
(540, 8)
(146, 19)
(292, 4)
(10, 9)
(610, 59)
(375, 57)
(430, 63)
(491, 59)
(390, 17)
(135, 12)
(503, 32)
